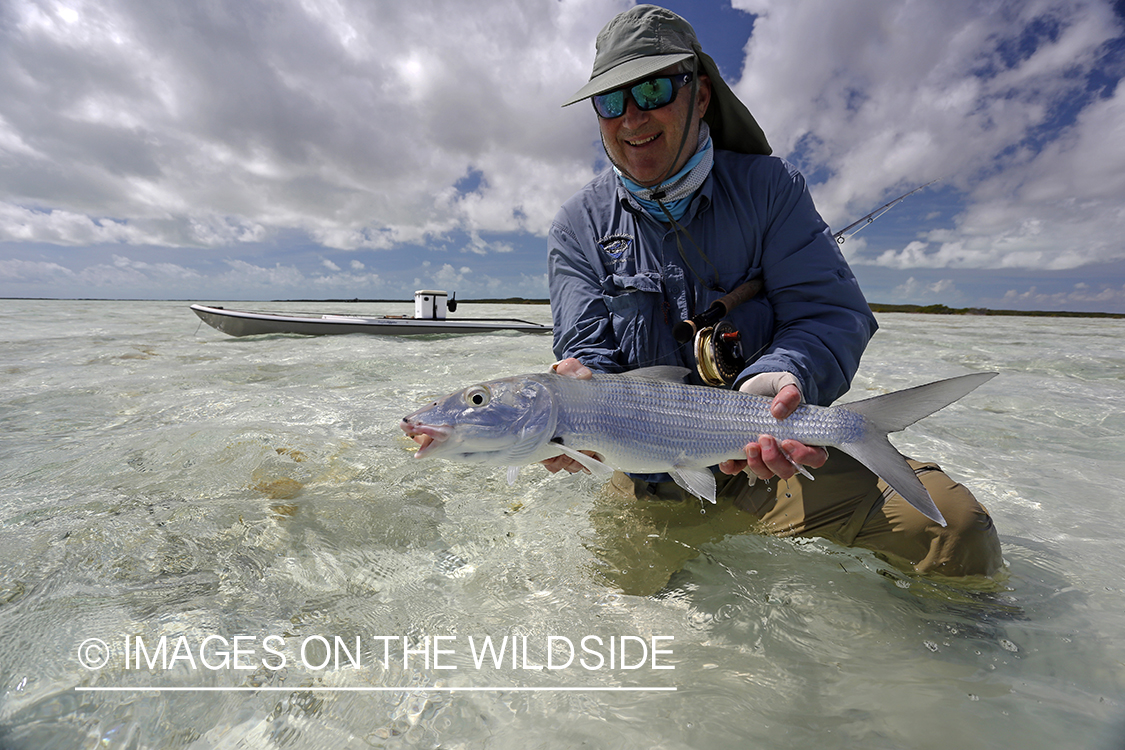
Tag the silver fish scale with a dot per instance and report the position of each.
(648, 419)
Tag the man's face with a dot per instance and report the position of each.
(644, 144)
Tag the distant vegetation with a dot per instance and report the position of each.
(943, 310)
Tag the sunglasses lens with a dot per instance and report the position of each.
(610, 105)
(648, 95)
(653, 94)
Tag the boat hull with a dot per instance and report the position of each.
(246, 323)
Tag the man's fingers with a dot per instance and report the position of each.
(755, 464)
(767, 458)
(806, 455)
(566, 463)
(561, 463)
(572, 368)
(732, 467)
(785, 402)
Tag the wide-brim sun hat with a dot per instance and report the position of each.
(645, 40)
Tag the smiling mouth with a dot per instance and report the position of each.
(643, 141)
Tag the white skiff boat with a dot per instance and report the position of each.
(429, 317)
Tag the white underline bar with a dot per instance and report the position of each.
(297, 688)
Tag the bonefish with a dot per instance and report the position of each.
(647, 421)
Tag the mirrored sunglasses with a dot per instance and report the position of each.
(647, 95)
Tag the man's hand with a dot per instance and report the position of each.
(570, 368)
(766, 458)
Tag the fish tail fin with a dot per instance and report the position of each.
(896, 411)
(876, 453)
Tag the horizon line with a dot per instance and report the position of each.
(372, 689)
(881, 307)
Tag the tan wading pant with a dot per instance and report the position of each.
(846, 504)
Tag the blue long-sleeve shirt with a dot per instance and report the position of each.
(619, 283)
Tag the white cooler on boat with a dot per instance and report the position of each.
(429, 305)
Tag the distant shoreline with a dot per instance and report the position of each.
(943, 310)
(875, 306)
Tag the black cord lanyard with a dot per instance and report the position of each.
(677, 227)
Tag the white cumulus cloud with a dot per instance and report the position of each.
(884, 96)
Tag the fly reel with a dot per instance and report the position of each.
(718, 354)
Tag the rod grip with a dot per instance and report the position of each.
(740, 294)
(685, 330)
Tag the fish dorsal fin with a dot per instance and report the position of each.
(660, 372)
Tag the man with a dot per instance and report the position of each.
(694, 207)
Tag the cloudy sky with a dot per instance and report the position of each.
(278, 149)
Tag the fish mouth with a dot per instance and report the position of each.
(432, 435)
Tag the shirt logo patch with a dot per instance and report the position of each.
(616, 245)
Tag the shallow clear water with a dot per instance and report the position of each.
(158, 478)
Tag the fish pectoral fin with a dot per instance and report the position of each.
(699, 482)
(594, 465)
(513, 474)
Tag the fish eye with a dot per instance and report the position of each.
(478, 395)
